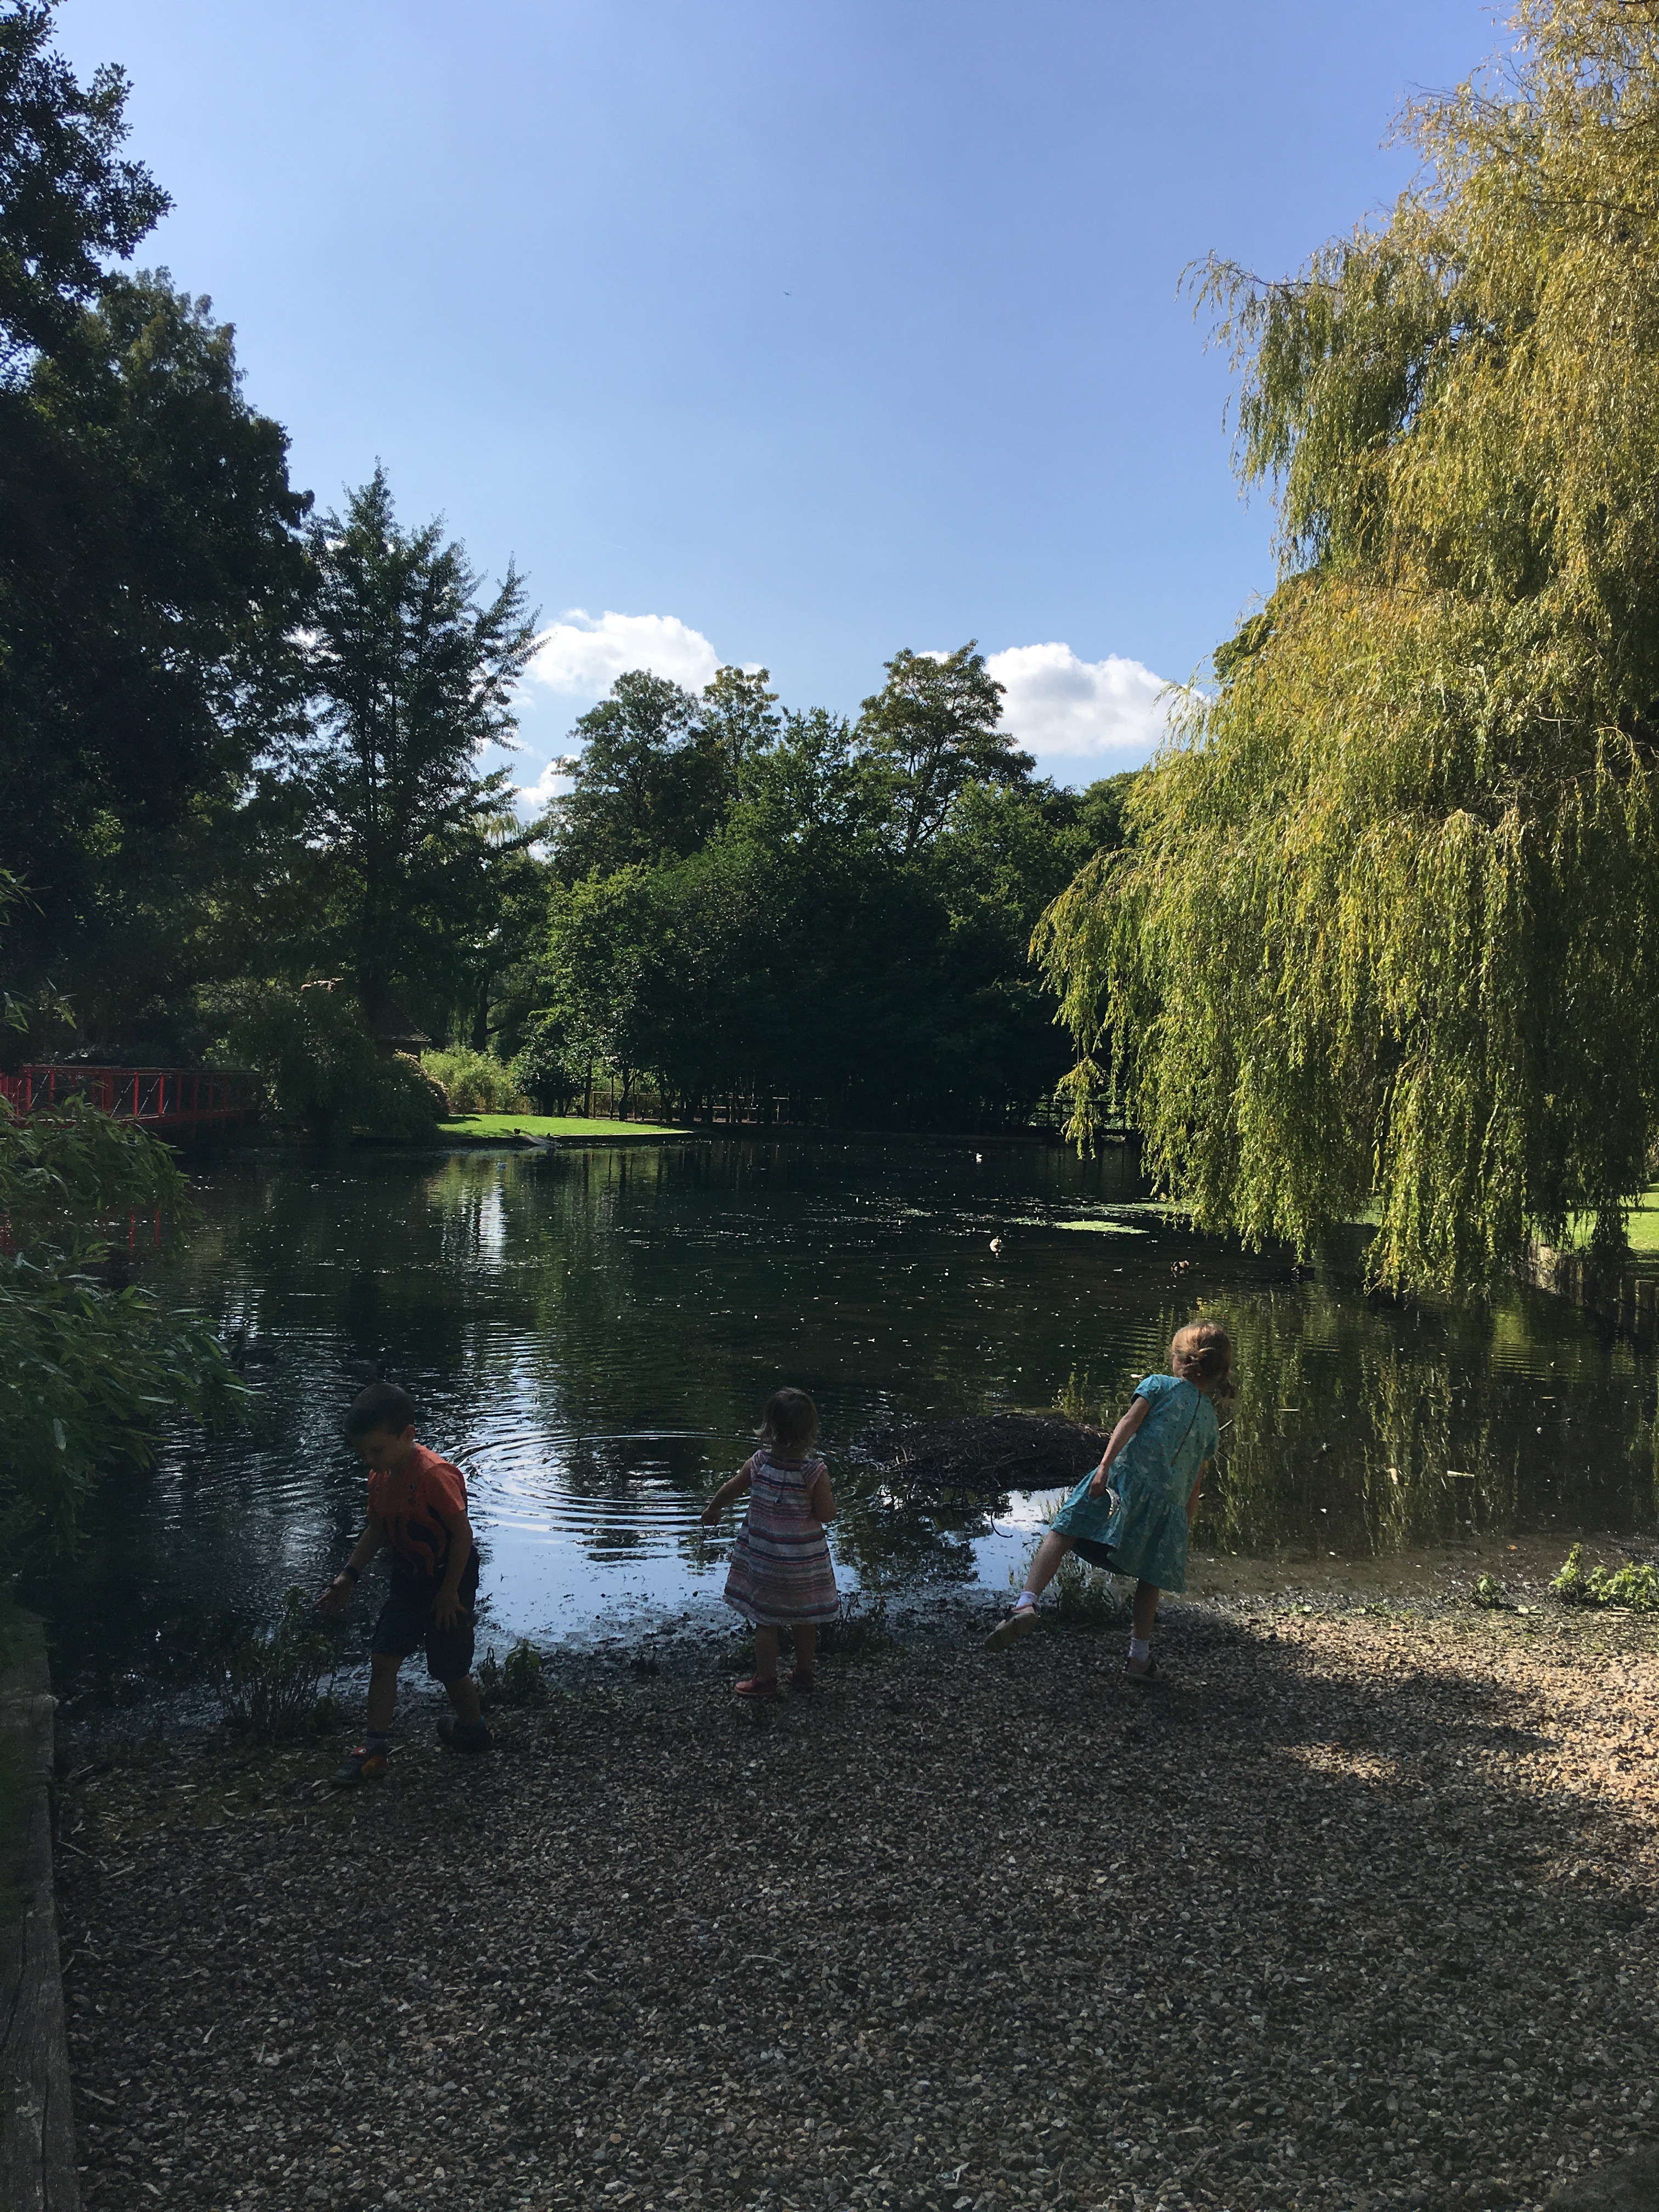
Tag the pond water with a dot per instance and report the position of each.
(591, 1334)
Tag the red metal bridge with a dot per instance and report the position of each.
(173, 1102)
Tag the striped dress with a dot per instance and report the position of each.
(780, 1572)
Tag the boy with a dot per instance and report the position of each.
(418, 1511)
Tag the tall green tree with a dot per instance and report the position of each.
(151, 574)
(1387, 933)
(411, 675)
(652, 778)
(69, 204)
(934, 728)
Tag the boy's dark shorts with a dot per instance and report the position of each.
(406, 1623)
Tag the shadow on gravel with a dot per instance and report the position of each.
(1355, 1914)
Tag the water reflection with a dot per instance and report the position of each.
(591, 1335)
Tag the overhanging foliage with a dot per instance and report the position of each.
(1385, 934)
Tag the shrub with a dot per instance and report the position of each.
(1635, 1584)
(1490, 1595)
(272, 1685)
(473, 1083)
(312, 1048)
(87, 1363)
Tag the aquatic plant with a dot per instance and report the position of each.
(515, 1681)
(1081, 1596)
(1079, 1400)
(272, 1685)
(859, 1631)
(1636, 1585)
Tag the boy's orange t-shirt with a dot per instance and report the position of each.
(402, 1499)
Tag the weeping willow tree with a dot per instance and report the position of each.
(1387, 933)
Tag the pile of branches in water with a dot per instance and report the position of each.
(987, 1456)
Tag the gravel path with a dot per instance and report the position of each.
(1358, 1912)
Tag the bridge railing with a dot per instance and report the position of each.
(166, 1099)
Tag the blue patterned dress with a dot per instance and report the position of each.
(780, 1570)
(1142, 1529)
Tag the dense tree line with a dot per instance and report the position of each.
(799, 915)
(239, 743)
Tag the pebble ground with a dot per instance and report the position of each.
(1359, 1912)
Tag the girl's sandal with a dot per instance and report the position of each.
(1152, 1675)
(757, 1686)
(1020, 1622)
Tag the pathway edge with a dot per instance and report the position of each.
(37, 2116)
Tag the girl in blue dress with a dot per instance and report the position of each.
(1133, 1512)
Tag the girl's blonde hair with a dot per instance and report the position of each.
(790, 1423)
(1202, 1352)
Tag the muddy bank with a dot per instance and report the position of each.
(1359, 1912)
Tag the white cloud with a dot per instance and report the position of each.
(582, 654)
(1081, 717)
(552, 783)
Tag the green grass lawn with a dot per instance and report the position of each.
(550, 1125)
(1643, 1228)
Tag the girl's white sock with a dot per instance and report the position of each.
(1141, 1648)
(1024, 1601)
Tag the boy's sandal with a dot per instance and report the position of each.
(1020, 1622)
(757, 1686)
(802, 1682)
(361, 1766)
(1150, 1676)
(454, 1735)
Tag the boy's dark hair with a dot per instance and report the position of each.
(382, 1406)
(790, 1421)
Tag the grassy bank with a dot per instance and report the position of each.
(553, 1125)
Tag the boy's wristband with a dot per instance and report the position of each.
(356, 1573)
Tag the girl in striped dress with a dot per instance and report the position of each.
(780, 1576)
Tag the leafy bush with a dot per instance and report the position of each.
(1635, 1584)
(87, 1362)
(516, 1681)
(272, 1685)
(473, 1083)
(1490, 1595)
(312, 1048)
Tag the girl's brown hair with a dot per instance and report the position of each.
(1202, 1352)
(790, 1423)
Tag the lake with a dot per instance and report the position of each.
(591, 1334)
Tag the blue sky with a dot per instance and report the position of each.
(780, 332)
